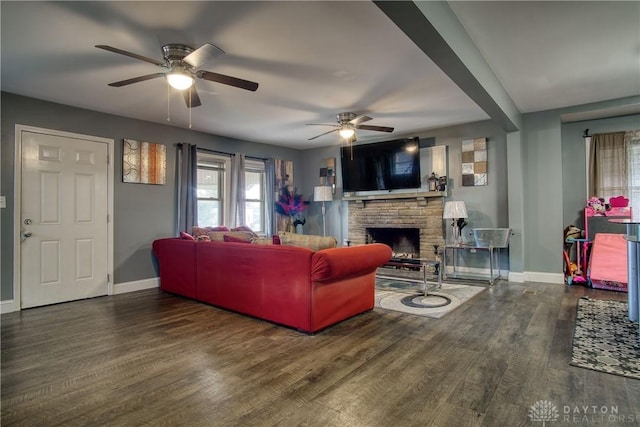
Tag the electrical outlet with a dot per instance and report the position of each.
(3, 202)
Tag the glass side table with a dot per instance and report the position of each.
(430, 273)
(462, 249)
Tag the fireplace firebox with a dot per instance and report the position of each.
(404, 242)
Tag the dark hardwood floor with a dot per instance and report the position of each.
(150, 358)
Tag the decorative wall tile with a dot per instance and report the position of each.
(474, 162)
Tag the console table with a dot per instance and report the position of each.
(494, 267)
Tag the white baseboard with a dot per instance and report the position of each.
(536, 276)
(516, 277)
(138, 285)
(8, 306)
(527, 276)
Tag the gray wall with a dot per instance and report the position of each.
(552, 171)
(142, 212)
(487, 205)
(552, 178)
(573, 161)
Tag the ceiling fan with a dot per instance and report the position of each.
(347, 125)
(181, 64)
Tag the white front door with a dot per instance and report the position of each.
(63, 223)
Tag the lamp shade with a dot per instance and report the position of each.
(322, 193)
(454, 210)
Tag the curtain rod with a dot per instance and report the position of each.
(208, 150)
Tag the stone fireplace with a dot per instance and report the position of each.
(408, 225)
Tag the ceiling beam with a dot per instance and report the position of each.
(435, 29)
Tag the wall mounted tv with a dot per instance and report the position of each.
(389, 165)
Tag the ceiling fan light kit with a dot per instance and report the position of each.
(347, 132)
(180, 80)
(347, 124)
(182, 64)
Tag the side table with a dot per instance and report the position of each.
(633, 266)
(430, 280)
(492, 251)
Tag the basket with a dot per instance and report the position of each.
(491, 237)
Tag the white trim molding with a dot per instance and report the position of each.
(137, 285)
(8, 306)
(537, 276)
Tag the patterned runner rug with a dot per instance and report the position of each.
(605, 339)
(406, 297)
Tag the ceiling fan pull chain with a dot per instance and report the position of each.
(190, 107)
(168, 102)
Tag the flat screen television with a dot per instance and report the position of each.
(389, 165)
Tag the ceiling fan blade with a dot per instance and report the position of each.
(203, 54)
(136, 79)
(131, 55)
(191, 97)
(322, 124)
(376, 128)
(228, 80)
(360, 119)
(322, 134)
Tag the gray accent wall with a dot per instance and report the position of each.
(142, 213)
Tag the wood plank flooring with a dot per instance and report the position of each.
(148, 358)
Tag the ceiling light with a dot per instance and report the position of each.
(347, 132)
(179, 79)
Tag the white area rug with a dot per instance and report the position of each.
(405, 297)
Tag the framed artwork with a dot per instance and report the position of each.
(284, 174)
(143, 162)
(474, 162)
(328, 173)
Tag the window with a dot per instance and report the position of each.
(615, 167)
(212, 189)
(255, 195)
(214, 177)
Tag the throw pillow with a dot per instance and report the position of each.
(219, 235)
(245, 228)
(229, 238)
(262, 241)
(186, 236)
(315, 243)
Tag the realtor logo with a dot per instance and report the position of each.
(543, 411)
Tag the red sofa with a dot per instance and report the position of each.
(288, 285)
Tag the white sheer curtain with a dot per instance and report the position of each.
(238, 188)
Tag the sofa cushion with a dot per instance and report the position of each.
(218, 236)
(262, 241)
(312, 242)
(204, 231)
(245, 228)
(234, 239)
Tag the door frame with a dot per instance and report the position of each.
(17, 203)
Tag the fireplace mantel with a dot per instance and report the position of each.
(386, 196)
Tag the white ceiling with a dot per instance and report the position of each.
(314, 60)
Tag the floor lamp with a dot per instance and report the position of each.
(455, 211)
(323, 193)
